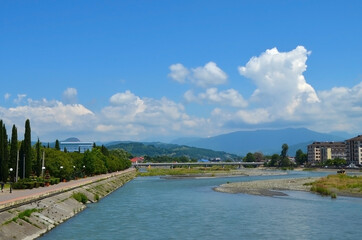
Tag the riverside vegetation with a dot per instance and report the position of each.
(185, 171)
(338, 184)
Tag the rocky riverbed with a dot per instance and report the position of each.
(231, 173)
(271, 187)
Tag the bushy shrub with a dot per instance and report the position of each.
(80, 197)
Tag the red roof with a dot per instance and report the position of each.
(137, 159)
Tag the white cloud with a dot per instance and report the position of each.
(70, 95)
(209, 75)
(229, 97)
(49, 118)
(19, 98)
(278, 76)
(178, 72)
(133, 117)
(7, 96)
(205, 76)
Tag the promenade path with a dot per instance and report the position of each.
(24, 195)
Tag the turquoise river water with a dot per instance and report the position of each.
(156, 208)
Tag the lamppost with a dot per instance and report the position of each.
(42, 172)
(61, 173)
(11, 172)
(83, 170)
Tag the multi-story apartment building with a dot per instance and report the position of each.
(319, 152)
(354, 150)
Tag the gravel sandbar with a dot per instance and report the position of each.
(270, 187)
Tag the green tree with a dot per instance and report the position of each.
(13, 150)
(38, 162)
(258, 156)
(274, 160)
(249, 157)
(57, 145)
(4, 153)
(94, 162)
(339, 162)
(27, 149)
(284, 152)
(300, 157)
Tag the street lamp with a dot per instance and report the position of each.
(42, 172)
(61, 171)
(11, 172)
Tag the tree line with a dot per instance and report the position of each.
(64, 165)
(278, 160)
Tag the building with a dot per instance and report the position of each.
(75, 145)
(319, 152)
(137, 160)
(354, 150)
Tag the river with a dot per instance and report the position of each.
(156, 208)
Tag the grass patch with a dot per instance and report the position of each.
(22, 215)
(309, 169)
(96, 197)
(338, 183)
(80, 197)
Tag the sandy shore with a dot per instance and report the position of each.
(267, 187)
(232, 173)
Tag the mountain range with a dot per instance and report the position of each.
(265, 141)
(153, 149)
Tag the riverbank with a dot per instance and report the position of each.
(271, 187)
(337, 184)
(35, 213)
(179, 173)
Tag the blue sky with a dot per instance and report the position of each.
(159, 70)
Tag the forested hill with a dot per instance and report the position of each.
(172, 150)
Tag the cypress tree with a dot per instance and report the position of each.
(4, 154)
(27, 149)
(57, 145)
(2, 161)
(37, 165)
(21, 160)
(13, 150)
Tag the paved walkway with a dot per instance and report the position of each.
(24, 195)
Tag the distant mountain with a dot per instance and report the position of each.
(159, 149)
(71, 139)
(265, 141)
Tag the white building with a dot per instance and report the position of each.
(75, 145)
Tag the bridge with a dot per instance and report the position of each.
(189, 164)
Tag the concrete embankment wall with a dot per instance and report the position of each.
(50, 211)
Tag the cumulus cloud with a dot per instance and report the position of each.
(229, 97)
(49, 119)
(278, 76)
(70, 95)
(339, 109)
(178, 72)
(133, 116)
(203, 76)
(208, 75)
